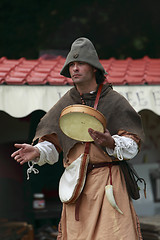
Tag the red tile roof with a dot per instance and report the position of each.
(41, 71)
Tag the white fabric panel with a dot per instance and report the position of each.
(19, 101)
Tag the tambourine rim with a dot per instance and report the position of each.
(64, 111)
(79, 108)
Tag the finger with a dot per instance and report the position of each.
(106, 131)
(92, 133)
(15, 153)
(97, 137)
(95, 133)
(99, 134)
(90, 129)
(93, 136)
(23, 161)
(18, 145)
(19, 160)
(98, 141)
(17, 157)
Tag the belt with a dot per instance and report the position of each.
(91, 166)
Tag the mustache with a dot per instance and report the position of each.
(76, 74)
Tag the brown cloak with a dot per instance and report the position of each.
(118, 112)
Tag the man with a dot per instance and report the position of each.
(97, 215)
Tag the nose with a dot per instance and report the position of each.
(75, 67)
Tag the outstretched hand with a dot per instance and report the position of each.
(104, 139)
(25, 153)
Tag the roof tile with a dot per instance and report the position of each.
(1, 80)
(42, 71)
(153, 79)
(135, 80)
(152, 72)
(3, 74)
(56, 80)
(113, 73)
(15, 80)
(18, 74)
(116, 80)
(5, 68)
(35, 80)
(136, 73)
(38, 74)
(23, 69)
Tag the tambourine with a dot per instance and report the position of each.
(75, 120)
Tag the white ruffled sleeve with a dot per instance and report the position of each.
(48, 154)
(125, 148)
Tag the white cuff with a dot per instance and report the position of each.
(125, 148)
(48, 153)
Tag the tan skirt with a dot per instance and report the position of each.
(98, 220)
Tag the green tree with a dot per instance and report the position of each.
(118, 29)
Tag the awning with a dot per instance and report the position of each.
(29, 85)
(20, 101)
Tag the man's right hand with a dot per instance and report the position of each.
(25, 153)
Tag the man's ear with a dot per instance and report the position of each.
(94, 70)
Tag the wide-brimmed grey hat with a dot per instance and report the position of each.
(82, 50)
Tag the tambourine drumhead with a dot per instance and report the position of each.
(76, 119)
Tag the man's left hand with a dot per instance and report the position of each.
(104, 139)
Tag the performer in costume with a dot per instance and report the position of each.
(104, 209)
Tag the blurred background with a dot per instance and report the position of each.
(29, 29)
(118, 29)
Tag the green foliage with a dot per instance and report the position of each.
(118, 29)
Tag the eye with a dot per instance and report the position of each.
(71, 64)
